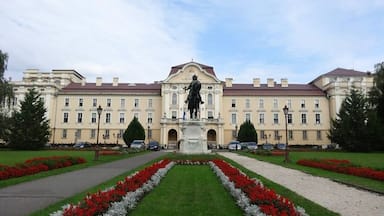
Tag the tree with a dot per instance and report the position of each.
(6, 96)
(134, 131)
(376, 94)
(350, 128)
(29, 129)
(247, 132)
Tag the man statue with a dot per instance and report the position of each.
(194, 97)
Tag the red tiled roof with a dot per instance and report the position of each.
(207, 68)
(136, 88)
(277, 90)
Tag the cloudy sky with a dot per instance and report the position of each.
(139, 40)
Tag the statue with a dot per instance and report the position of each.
(194, 97)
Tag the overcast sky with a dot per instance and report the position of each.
(139, 41)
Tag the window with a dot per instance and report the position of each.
(174, 115)
(93, 117)
(317, 104)
(289, 118)
(276, 135)
(78, 134)
(65, 120)
(107, 117)
(174, 99)
(136, 115)
(247, 116)
(289, 104)
(210, 115)
(122, 103)
(275, 118)
(64, 135)
(149, 119)
(122, 118)
(247, 103)
(318, 135)
(136, 103)
(93, 133)
(290, 135)
(303, 118)
(233, 103)
(317, 116)
(302, 104)
(149, 103)
(106, 134)
(261, 103)
(79, 117)
(109, 102)
(80, 102)
(94, 102)
(305, 137)
(262, 134)
(66, 102)
(233, 118)
(14, 101)
(275, 104)
(210, 100)
(261, 118)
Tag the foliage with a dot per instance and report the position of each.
(134, 131)
(247, 132)
(350, 129)
(6, 95)
(29, 129)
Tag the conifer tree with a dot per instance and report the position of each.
(247, 132)
(29, 129)
(134, 131)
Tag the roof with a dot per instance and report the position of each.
(133, 88)
(277, 90)
(207, 68)
(345, 72)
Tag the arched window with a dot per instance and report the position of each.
(174, 99)
(210, 99)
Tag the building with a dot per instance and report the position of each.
(160, 106)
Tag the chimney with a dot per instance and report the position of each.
(256, 82)
(284, 82)
(228, 82)
(270, 83)
(83, 82)
(99, 81)
(115, 81)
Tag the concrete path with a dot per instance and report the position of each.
(336, 197)
(25, 198)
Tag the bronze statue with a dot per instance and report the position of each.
(194, 97)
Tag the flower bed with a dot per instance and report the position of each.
(36, 165)
(343, 166)
(251, 195)
(110, 152)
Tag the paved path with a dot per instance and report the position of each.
(337, 197)
(25, 198)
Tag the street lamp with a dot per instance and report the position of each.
(236, 136)
(99, 110)
(149, 137)
(285, 110)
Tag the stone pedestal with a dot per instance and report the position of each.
(194, 138)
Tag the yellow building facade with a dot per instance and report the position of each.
(160, 107)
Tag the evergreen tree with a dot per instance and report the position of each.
(6, 96)
(29, 128)
(134, 131)
(247, 132)
(350, 128)
(377, 92)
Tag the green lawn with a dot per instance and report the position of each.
(373, 160)
(188, 190)
(13, 157)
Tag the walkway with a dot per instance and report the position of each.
(337, 197)
(25, 198)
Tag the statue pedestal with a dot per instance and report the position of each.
(194, 139)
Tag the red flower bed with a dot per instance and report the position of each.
(98, 203)
(268, 201)
(36, 165)
(343, 166)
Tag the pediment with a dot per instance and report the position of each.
(184, 75)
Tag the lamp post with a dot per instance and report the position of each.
(99, 110)
(285, 110)
(236, 135)
(149, 137)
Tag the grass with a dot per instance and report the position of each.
(13, 157)
(188, 190)
(373, 160)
